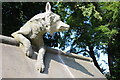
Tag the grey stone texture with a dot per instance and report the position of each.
(17, 65)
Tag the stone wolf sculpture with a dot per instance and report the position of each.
(30, 35)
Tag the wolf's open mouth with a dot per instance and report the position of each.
(64, 28)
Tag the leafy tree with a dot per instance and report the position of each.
(111, 18)
(85, 32)
(95, 27)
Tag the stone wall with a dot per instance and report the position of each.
(58, 64)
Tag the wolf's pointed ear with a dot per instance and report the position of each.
(48, 7)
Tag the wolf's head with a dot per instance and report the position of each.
(55, 25)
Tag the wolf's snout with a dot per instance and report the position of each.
(66, 26)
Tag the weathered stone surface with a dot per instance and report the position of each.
(12, 41)
(17, 65)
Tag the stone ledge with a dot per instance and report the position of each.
(12, 41)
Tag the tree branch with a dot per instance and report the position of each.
(83, 51)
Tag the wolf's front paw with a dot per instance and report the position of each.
(29, 52)
(40, 67)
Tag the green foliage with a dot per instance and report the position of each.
(101, 28)
(107, 32)
(89, 11)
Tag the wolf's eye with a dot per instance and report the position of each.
(57, 20)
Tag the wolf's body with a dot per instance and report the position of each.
(30, 35)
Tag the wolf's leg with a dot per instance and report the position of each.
(25, 43)
(40, 63)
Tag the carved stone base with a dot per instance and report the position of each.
(58, 65)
